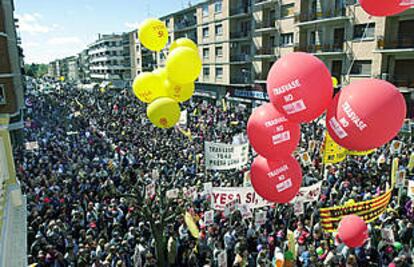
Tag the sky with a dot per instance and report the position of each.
(52, 29)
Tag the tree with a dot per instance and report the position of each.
(35, 70)
(158, 212)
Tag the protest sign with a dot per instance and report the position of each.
(172, 194)
(308, 193)
(387, 236)
(32, 145)
(244, 195)
(400, 178)
(230, 207)
(260, 217)
(396, 147)
(183, 118)
(209, 217)
(222, 259)
(298, 208)
(247, 179)
(208, 187)
(224, 156)
(245, 211)
(305, 159)
(150, 189)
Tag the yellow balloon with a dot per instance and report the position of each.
(335, 82)
(183, 65)
(148, 86)
(161, 72)
(180, 92)
(153, 34)
(183, 42)
(164, 112)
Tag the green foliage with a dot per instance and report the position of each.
(35, 70)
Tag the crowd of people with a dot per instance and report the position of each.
(88, 203)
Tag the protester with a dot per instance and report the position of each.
(97, 149)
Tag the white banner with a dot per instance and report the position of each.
(260, 217)
(32, 145)
(298, 208)
(225, 157)
(308, 194)
(209, 217)
(388, 236)
(244, 195)
(410, 191)
(183, 118)
(245, 211)
(172, 194)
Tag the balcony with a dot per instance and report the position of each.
(305, 18)
(265, 25)
(240, 59)
(240, 35)
(185, 23)
(241, 80)
(263, 2)
(240, 11)
(322, 49)
(399, 80)
(399, 45)
(265, 52)
(260, 77)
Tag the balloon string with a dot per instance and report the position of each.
(360, 42)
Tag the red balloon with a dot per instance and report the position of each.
(300, 86)
(366, 114)
(276, 181)
(271, 134)
(382, 8)
(353, 231)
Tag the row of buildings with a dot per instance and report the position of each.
(239, 40)
(13, 248)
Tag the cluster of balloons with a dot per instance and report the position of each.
(300, 89)
(165, 87)
(383, 8)
(362, 116)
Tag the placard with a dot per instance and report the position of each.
(225, 157)
(208, 217)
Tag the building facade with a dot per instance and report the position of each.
(73, 68)
(110, 59)
(239, 40)
(13, 248)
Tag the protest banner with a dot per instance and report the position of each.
(244, 195)
(298, 208)
(222, 259)
(387, 236)
(32, 145)
(308, 193)
(230, 207)
(208, 187)
(400, 178)
(410, 189)
(311, 146)
(190, 192)
(209, 217)
(260, 217)
(172, 194)
(224, 156)
(245, 211)
(333, 153)
(396, 147)
(183, 118)
(368, 210)
(394, 170)
(150, 189)
(410, 165)
(305, 159)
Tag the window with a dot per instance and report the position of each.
(138, 61)
(206, 53)
(205, 32)
(218, 6)
(287, 39)
(206, 73)
(219, 73)
(288, 10)
(219, 52)
(2, 95)
(361, 67)
(167, 23)
(205, 10)
(364, 31)
(219, 30)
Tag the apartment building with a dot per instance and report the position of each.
(13, 246)
(83, 66)
(142, 59)
(239, 40)
(73, 68)
(110, 59)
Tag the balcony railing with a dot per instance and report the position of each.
(330, 13)
(236, 35)
(399, 43)
(185, 23)
(241, 80)
(239, 10)
(236, 58)
(399, 80)
(321, 48)
(264, 51)
(265, 24)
